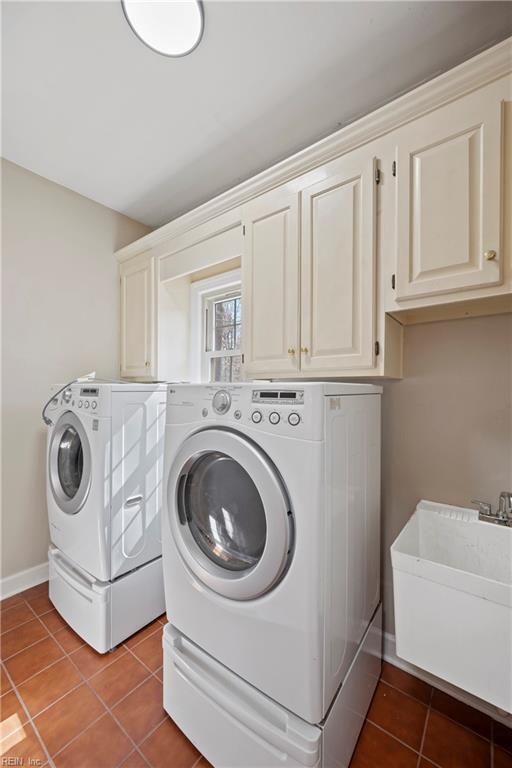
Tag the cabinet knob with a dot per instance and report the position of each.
(305, 350)
(291, 350)
(490, 255)
(147, 363)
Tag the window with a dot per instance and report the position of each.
(223, 325)
(216, 324)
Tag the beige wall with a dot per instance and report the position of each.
(60, 319)
(447, 426)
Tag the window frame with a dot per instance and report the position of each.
(203, 295)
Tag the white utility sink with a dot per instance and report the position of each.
(453, 599)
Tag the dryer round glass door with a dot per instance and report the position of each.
(224, 511)
(229, 513)
(69, 463)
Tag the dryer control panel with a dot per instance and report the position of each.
(278, 396)
(276, 399)
(286, 409)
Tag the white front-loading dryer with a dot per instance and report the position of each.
(271, 535)
(104, 497)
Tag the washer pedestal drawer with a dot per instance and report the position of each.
(105, 613)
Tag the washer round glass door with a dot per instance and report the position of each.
(69, 463)
(229, 514)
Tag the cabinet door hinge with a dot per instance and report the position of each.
(377, 348)
(393, 281)
(377, 175)
(393, 168)
(243, 357)
(243, 229)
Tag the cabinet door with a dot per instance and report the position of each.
(448, 199)
(270, 284)
(138, 318)
(338, 267)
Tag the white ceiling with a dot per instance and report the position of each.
(87, 105)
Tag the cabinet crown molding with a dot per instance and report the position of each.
(492, 64)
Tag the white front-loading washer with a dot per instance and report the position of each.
(104, 497)
(271, 546)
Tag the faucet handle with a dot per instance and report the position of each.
(505, 504)
(484, 508)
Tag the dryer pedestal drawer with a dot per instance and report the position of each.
(105, 613)
(228, 720)
(233, 724)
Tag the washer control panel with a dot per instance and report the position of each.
(92, 400)
(88, 398)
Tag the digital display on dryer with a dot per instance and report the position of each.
(282, 396)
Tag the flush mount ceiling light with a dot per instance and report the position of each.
(169, 27)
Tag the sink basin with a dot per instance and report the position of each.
(452, 578)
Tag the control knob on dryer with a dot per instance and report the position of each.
(221, 402)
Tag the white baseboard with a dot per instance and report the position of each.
(11, 585)
(389, 654)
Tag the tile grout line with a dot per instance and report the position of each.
(108, 708)
(129, 650)
(405, 693)
(29, 720)
(132, 753)
(31, 645)
(17, 626)
(120, 701)
(86, 682)
(42, 711)
(439, 712)
(403, 743)
(43, 669)
(108, 712)
(383, 730)
(93, 722)
(424, 734)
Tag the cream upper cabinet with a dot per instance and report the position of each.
(270, 284)
(448, 199)
(308, 281)
(137, 318)
(338, 267)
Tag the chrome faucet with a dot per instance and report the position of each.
(502, 516)
(505, 505)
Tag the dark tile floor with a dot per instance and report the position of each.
(64, 705)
